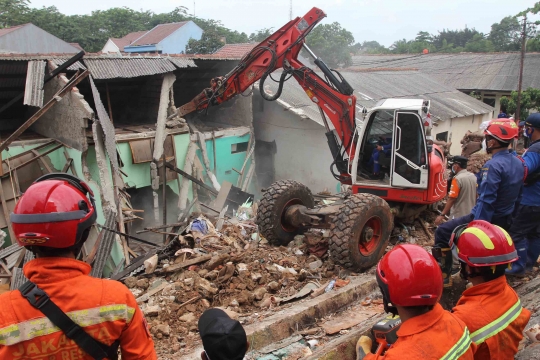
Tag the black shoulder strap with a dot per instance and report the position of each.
(41, 301)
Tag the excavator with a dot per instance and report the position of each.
(360, 223)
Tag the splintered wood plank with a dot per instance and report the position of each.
(346, 321)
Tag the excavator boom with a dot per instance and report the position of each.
(333, 94)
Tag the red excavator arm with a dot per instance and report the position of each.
(333, 95)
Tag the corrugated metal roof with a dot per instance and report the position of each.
(158, 33)
(103, 68)
(235, 50)
(6, 31)
(181, 62)
(33, 90)
(110, 66)
(370, 87)
(465, 71)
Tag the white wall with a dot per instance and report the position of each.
(458, 127)
(110, 47)
(302, 151)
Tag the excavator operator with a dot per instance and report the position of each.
(62, 312)
(498, 194)
(491, 309)
(411, 284)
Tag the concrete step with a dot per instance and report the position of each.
(287, 321)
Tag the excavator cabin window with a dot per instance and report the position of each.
(377, 139)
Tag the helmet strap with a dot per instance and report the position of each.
(466, 275)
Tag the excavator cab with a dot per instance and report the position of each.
(393, 152)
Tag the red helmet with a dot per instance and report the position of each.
(483, 244)
(409, 276)
(502, 129)
(54, 212)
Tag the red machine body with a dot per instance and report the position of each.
(337, 103)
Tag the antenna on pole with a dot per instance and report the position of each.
(290, 11)
(193, 7)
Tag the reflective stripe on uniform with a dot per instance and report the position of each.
(459, 348)
(30, 329)
(494, 327)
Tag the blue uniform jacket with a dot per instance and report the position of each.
(501, 186)
(531, 193)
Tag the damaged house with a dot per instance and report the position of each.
(110, 121)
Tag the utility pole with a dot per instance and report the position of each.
(193, 7)
(523, 43)
(290, 11)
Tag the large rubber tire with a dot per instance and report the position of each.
(351, 245)
(275, 200)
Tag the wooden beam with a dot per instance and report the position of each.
(195, 180)
(37, 157)
(56, 98)
(71, 166)
(11, 158)
(68, 165)
(43, 163)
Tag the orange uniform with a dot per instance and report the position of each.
(495, 318)
(105, 309)
(435, 335)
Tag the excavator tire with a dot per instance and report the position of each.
(274, 202)
(360, 232)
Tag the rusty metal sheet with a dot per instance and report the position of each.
(141, 150)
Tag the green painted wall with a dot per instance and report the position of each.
(57, 156)
(225, 159)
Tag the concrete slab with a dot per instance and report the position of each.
(286, 322)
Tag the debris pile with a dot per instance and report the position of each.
(471, 143)
(477, 161)
(231, 266)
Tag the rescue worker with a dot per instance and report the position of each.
(525, 229)
(411, 284)
(53, 219)
(462, 195)
(491, 309)
(498, 194)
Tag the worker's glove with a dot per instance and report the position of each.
(363, 347)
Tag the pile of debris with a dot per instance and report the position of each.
(228, 265)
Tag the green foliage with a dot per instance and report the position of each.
(424, 36)
(93, 31)
(12, 11)
(506, 35)
(331, 43)
(260, 35)
(411, 47)
(479, 44)
(369, 47)
(530, 99)
(208, 44)
(458, 38)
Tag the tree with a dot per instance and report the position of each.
(479, 44)
(331, 43)
(260, 35)
(208, 44)
(530, 99)
(12, 11)
(506, 35)
(424, 36)
(372, 47)
(456, 37)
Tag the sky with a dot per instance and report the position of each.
(384, 21)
